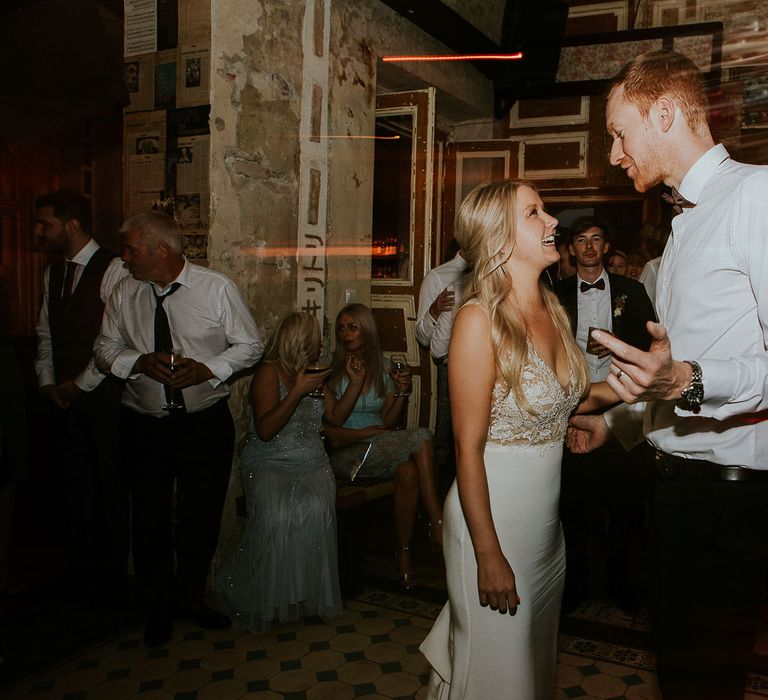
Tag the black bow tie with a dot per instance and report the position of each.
(677, 201)
(600, 284)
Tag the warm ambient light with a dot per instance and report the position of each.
(460, 57)
(351, 136)
(377, 138)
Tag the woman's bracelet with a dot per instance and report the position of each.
(399, 394)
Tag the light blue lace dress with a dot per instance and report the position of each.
(286, 565)
(388, 450)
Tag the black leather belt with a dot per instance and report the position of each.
(679, 469)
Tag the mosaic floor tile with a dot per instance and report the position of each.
(369, 651)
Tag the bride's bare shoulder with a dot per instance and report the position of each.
(472, 312)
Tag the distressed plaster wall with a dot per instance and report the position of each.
(256, 81)
(361, 33)
(256, 84)
(256, 88)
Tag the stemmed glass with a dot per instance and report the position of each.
(176, 356)
(398, 363)
(318, 366)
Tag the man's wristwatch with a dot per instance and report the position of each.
(693, 394)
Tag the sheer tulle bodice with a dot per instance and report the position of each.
(512, 425)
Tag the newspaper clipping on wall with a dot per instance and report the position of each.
(140, 27)
(145, 160)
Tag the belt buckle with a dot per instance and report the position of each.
(664, 466)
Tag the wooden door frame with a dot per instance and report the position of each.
(400, 296)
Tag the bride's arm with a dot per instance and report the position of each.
(471, 378)
(600, 396)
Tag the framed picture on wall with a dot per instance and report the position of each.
(755, 101)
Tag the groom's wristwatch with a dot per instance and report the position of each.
(693, 394)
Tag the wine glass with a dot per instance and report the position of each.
(176, 356)
(398, 364)
(321, 364)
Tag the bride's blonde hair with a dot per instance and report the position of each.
(487, 232)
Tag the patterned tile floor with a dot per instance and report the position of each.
(371, 651)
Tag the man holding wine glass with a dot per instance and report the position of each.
(176, 332)
(439, 299)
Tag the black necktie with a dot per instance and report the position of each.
(600, 284)
(163, 340)
(677, 201)
(69, 279)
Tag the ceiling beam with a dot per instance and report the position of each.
(449, 28)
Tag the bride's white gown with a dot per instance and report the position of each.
(477, 653)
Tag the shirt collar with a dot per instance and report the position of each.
(461, 262)
(85, 253)
(183, 278)
(701, 171)
(603, 276)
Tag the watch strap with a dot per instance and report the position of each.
(693, 395)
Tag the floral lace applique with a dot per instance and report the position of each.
(512, 425)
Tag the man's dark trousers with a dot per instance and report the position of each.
(92, 481)
(192, 451)
(711, 540)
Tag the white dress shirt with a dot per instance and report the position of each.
(91, 376)
(436, 334)
(209, 321)
(648, 278)
(712, 296)
(593, 309)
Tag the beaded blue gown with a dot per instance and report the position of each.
(285, 567)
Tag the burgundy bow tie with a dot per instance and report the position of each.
(677, 201)
(600, 284)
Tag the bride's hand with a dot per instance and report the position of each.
(496, 584)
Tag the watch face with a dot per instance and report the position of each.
(691, 397)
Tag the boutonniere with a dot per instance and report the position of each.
(618, 305)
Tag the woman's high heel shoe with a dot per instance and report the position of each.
(407, 578)
(435, 532)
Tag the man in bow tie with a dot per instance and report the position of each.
(595, 298)
(591, 485)
(699, 395)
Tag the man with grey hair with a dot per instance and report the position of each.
(171, 303)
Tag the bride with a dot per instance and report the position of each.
(515, 374)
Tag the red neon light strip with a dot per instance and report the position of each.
(462, 57)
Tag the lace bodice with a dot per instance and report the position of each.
(512, 425)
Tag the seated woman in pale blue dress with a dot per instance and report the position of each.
(370, 407)
(285, 568)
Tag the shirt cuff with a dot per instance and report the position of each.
(88, 380)
(45, 378)
(221, 371)
(122, 367)
(625, 421)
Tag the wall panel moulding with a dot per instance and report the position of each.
(589, 61)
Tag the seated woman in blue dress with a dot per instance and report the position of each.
(285, 567)
(370, 406)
